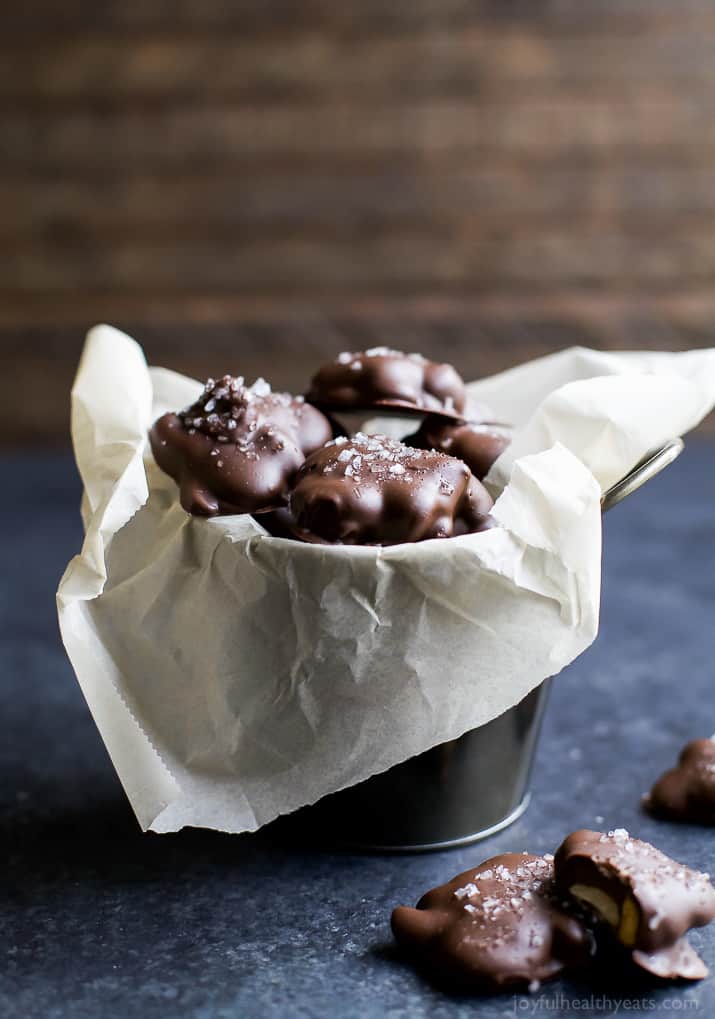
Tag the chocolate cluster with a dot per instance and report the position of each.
(478, 445)
(499, 926)
(238, 448)
(687, 792)
(385, 379)
(246, 449)
(517, 920)
(372, 490)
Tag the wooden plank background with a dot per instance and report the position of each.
(253, 186)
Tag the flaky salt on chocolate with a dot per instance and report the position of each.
(478, 445)
(647, 900)
(687, 792)
(382, 378)
(237, 448)
(495, 927)
(372, 490)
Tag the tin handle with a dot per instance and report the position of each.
(651, 465)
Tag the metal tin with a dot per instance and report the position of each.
(453, 794)
(466, 789)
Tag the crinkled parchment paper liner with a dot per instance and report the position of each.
(235, 676)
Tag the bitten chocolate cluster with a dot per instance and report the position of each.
(517, 920)
(647, 901)
(246, 449)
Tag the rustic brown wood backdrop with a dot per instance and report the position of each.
(251, 185)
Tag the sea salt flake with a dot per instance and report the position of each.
(466, 891)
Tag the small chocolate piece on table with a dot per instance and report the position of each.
(381, 378)
(497, 926)
(478, 445)
(647, 900)
(371, 490)
(687, 792)
(237, 448)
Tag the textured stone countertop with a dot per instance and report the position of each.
(100, 920)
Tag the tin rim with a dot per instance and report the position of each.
(428, 847)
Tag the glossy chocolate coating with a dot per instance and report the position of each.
(371, 490)
(649, 900)
(494, 927)
(677, 962)
(386, 379)
(687, 792)
(238, 448)
(478, 445)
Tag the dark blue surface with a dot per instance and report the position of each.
(100, 920)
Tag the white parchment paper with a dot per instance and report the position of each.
(235, 676)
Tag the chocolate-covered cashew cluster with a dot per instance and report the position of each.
(478, 445)
(687, 792)
(238, 448)
(372, 490)
(648, 901)
(498, 926)
(517, 920)
(385, 379)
